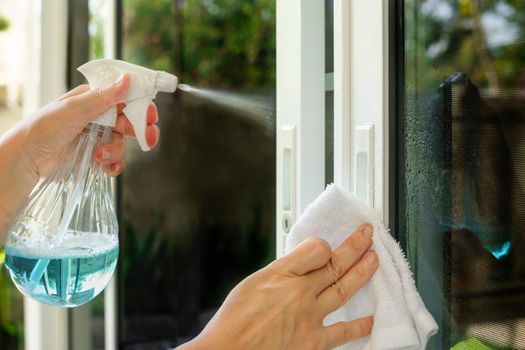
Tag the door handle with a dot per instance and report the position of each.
(364, 163)
(288, 154)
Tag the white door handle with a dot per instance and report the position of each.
(288, 176)
(364, 163)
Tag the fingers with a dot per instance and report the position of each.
(152, 135)
(340, 292)
(312, 254)
(116, 169)
(93, 103)
(343, 332)
(76, 91)
(113, 151)
(123, 125)
(153, 114)
(344, 257)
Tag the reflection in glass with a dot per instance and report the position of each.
(461, 194)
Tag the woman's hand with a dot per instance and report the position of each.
(53, 127)
(283, 305)
(31, 149)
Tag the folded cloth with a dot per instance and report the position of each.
(401, 320)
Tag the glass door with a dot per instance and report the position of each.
(460, 122)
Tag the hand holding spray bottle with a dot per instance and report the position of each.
(63, 245)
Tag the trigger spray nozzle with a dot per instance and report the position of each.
(145, 83)
(166, 82)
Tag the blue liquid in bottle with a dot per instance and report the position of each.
(69, 275)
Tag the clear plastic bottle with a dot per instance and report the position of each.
(63, 247)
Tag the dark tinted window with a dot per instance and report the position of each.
(197, 212)
(461, 166)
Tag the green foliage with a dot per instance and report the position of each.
(149, 33)
(96, 39)
(227, 43)
(11, 332)
(476, 344)
(141, 250)
(235, 38)
(4, 23)
(460, 49)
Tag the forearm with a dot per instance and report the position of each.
(16, 177)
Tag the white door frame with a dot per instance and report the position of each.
(361, 99)
(360, 104)
(45, 327)
(300, 109)
(342, 120)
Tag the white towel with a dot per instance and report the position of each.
(401, 320)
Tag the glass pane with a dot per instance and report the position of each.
(197, 213)
(13, 44)
(329, 35)
(462, 163)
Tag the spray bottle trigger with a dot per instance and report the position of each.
(137, 113)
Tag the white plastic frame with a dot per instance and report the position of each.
(45, 327)
(361, 93)
(300, 105)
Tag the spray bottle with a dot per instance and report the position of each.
(63, 245)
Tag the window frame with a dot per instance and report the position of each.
(362, 43)
(300, 125)
(362, 39)
(45, 327)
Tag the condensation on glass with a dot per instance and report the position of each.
(462, 163)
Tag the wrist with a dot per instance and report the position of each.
(14, 148)
(17, 175)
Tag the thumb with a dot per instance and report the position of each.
(96, 101)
